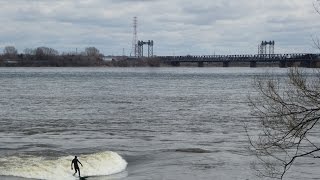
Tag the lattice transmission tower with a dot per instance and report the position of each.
(134, 51)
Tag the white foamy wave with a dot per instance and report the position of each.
(99, 164)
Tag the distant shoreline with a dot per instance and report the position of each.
(98, 61)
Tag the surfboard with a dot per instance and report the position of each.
(81, 177)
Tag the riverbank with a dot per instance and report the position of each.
(123, 61)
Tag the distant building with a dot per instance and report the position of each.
(107, 58)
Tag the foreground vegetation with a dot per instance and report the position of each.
(288, 111)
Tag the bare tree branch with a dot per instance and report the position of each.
(288, 111)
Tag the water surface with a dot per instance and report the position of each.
(166, 123)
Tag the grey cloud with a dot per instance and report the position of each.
(177, 26)
(133, 1)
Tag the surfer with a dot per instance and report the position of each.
(75, 161)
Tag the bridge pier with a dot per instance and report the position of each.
(293, 64)
(283, 64)
(175, 63)
(200, 64)
(315, 64)
(253, 64)
(226, 64)
(309, 64)
(306, 63)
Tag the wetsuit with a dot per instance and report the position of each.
(76, 166)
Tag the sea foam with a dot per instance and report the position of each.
(98, 164)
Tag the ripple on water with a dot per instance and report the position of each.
(193, 150)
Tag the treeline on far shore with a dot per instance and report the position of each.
(45, 56)
(48, 57)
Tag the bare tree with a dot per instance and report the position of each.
(45, 53)
(92, 51)
(10, 51)
(315, 39)
(29, 51)
(288, 113)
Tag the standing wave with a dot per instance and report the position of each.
(98, 164)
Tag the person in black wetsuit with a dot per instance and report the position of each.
(75, 162)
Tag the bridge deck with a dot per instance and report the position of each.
(242, 58)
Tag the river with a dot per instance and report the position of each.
(129, 123)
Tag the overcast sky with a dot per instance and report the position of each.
(177, 27)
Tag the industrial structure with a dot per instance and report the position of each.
(150, 48)
(266, 54)
(137, 46)
(266, 47)
(284, 60)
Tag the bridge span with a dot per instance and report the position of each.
(284, 60)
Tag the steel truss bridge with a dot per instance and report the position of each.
(284, 60)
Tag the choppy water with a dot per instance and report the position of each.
(166, 123)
